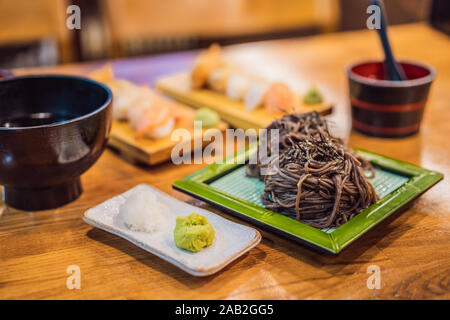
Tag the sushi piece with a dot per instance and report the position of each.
(255, 95)
(218, 78)
(237, 86)
(279, 99)
(206, 63)
(153, 116)
(145, 100)
(126, 94)
(154, 122)
(162, 130)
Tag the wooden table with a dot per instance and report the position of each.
(412, 250)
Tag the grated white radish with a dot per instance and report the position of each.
(143, 212)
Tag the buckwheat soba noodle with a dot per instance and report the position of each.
(315, 178)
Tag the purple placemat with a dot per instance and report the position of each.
(146, 70)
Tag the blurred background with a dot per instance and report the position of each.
(34, 32)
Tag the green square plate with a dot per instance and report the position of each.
(225, 185)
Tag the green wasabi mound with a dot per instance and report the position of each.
(193, 232)
(313, 97)
(208, 117)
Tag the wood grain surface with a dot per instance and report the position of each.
(411, 250)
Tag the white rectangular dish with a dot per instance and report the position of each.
(231, 240)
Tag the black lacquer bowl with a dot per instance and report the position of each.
(52, 129)
(386, 108)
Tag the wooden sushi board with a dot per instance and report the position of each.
(178, 87)
(153, 151)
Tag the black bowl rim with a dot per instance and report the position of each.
(105, 105)
(389, 83)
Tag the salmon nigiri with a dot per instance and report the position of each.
(279, 99)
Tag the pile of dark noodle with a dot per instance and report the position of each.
(315, 178)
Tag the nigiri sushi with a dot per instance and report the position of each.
(125, 92)
(255, 95)
(207, 62)
(125, 95)
(279, 99)
(153, 118)
(237, 86)
(218, 78)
